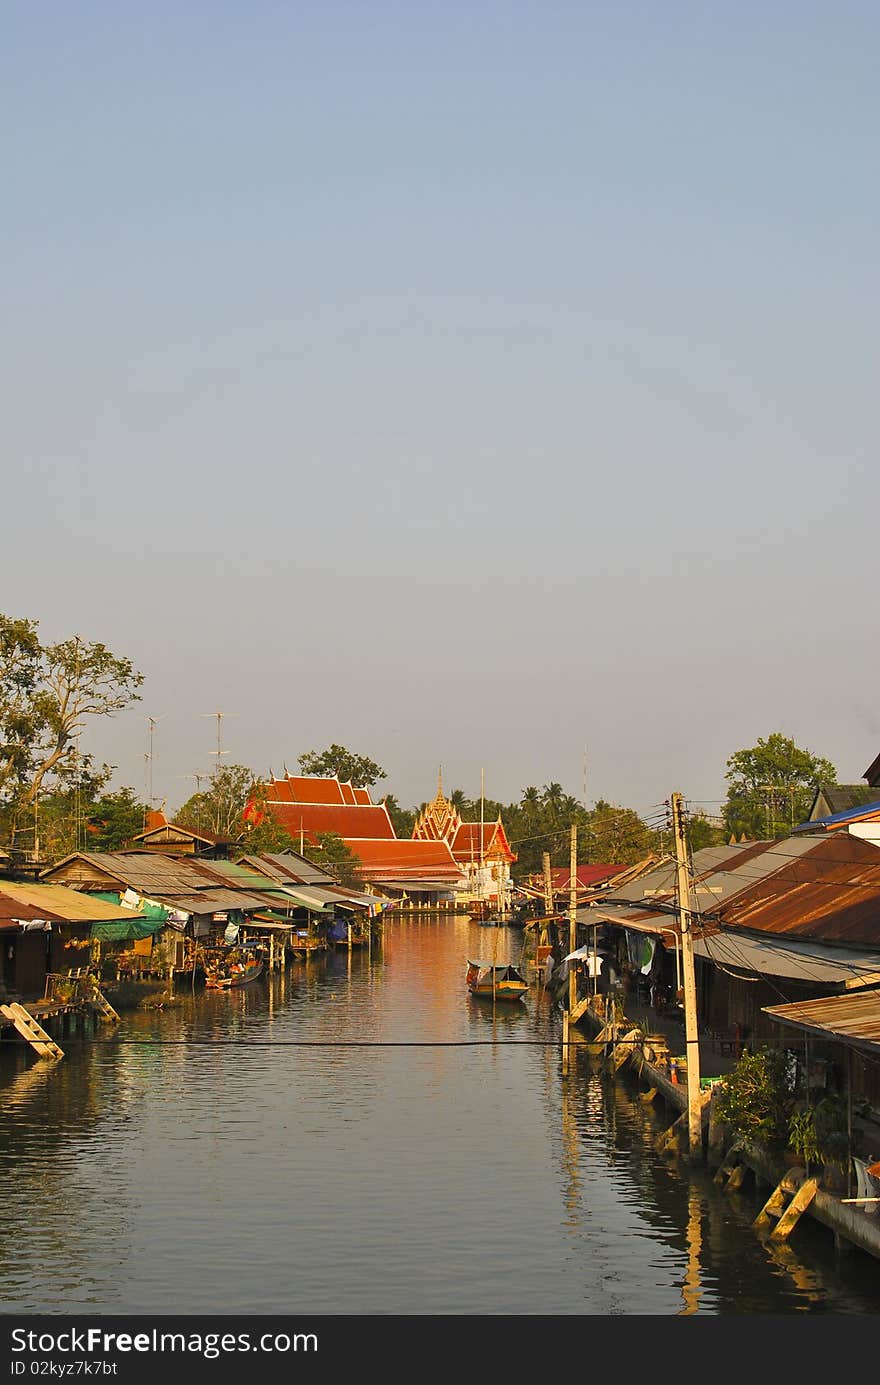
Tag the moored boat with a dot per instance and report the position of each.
(237, 968)
(495, 980)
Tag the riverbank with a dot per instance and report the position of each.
(851, 1224)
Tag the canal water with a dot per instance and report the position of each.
(362, 1136)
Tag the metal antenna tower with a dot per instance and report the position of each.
(218, 752)
(200, 776)
(152, 723)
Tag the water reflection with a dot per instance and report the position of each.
(363, 1136)
(690, 1291)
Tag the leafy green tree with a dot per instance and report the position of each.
(220, 808)
(403, 820)
(114, 819)
(60, 819)
(335, 856)
(48, 694)
(348, 767)
(234, 807)
(700, 832)
(771, 786)
(618, 835)
(265, 835)
(541, 821)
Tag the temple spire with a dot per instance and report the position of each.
(440, 782)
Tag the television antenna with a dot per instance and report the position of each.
(152, 723)
(219, 752)
(200, 776)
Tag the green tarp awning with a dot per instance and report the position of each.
(123, 930)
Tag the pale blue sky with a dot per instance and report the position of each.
(471, 384)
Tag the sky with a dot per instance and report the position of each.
(481, 385)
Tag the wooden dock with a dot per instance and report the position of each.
(69, 1001)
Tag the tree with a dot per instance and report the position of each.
(346, 766)
(113, 820)
(221, 807)
(234, 807)
(260, 830)
(48, 693)
(403, 820)
(618, 835)
(61, 819)
(771, 787)
(335, 856)
(701, 832)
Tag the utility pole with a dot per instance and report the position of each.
(691, 1032)
(572, 944)
(572, 918)
(548, 885)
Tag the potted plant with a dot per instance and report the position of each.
(803, 1142)
(818, 1134)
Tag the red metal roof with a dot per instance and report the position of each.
(586, 876)
(306, 790)
(466, 842)
(279, 791)
(848, 1018)
(405, 854)
(404, 849)
(303, 788)
(346, 819)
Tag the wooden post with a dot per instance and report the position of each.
(572, 920)
(691, 1030)
(548, 885)
(572, 944)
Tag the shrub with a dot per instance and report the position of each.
(755, 1099)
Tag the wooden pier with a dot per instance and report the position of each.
(69, 1002)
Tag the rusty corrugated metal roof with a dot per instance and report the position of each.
(848, 1018)
(826, 888)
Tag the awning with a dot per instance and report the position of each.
(310, 897)
(778, 956)
(851, 1019)
(123, 930)
(356, 898)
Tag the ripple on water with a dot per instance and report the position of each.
(207, 1159)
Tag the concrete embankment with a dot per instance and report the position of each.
(850, 1223)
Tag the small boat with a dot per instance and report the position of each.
(495, 980)
(235, 969)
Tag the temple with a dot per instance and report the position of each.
(419, 872)
(447, 862)
(480, 849)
